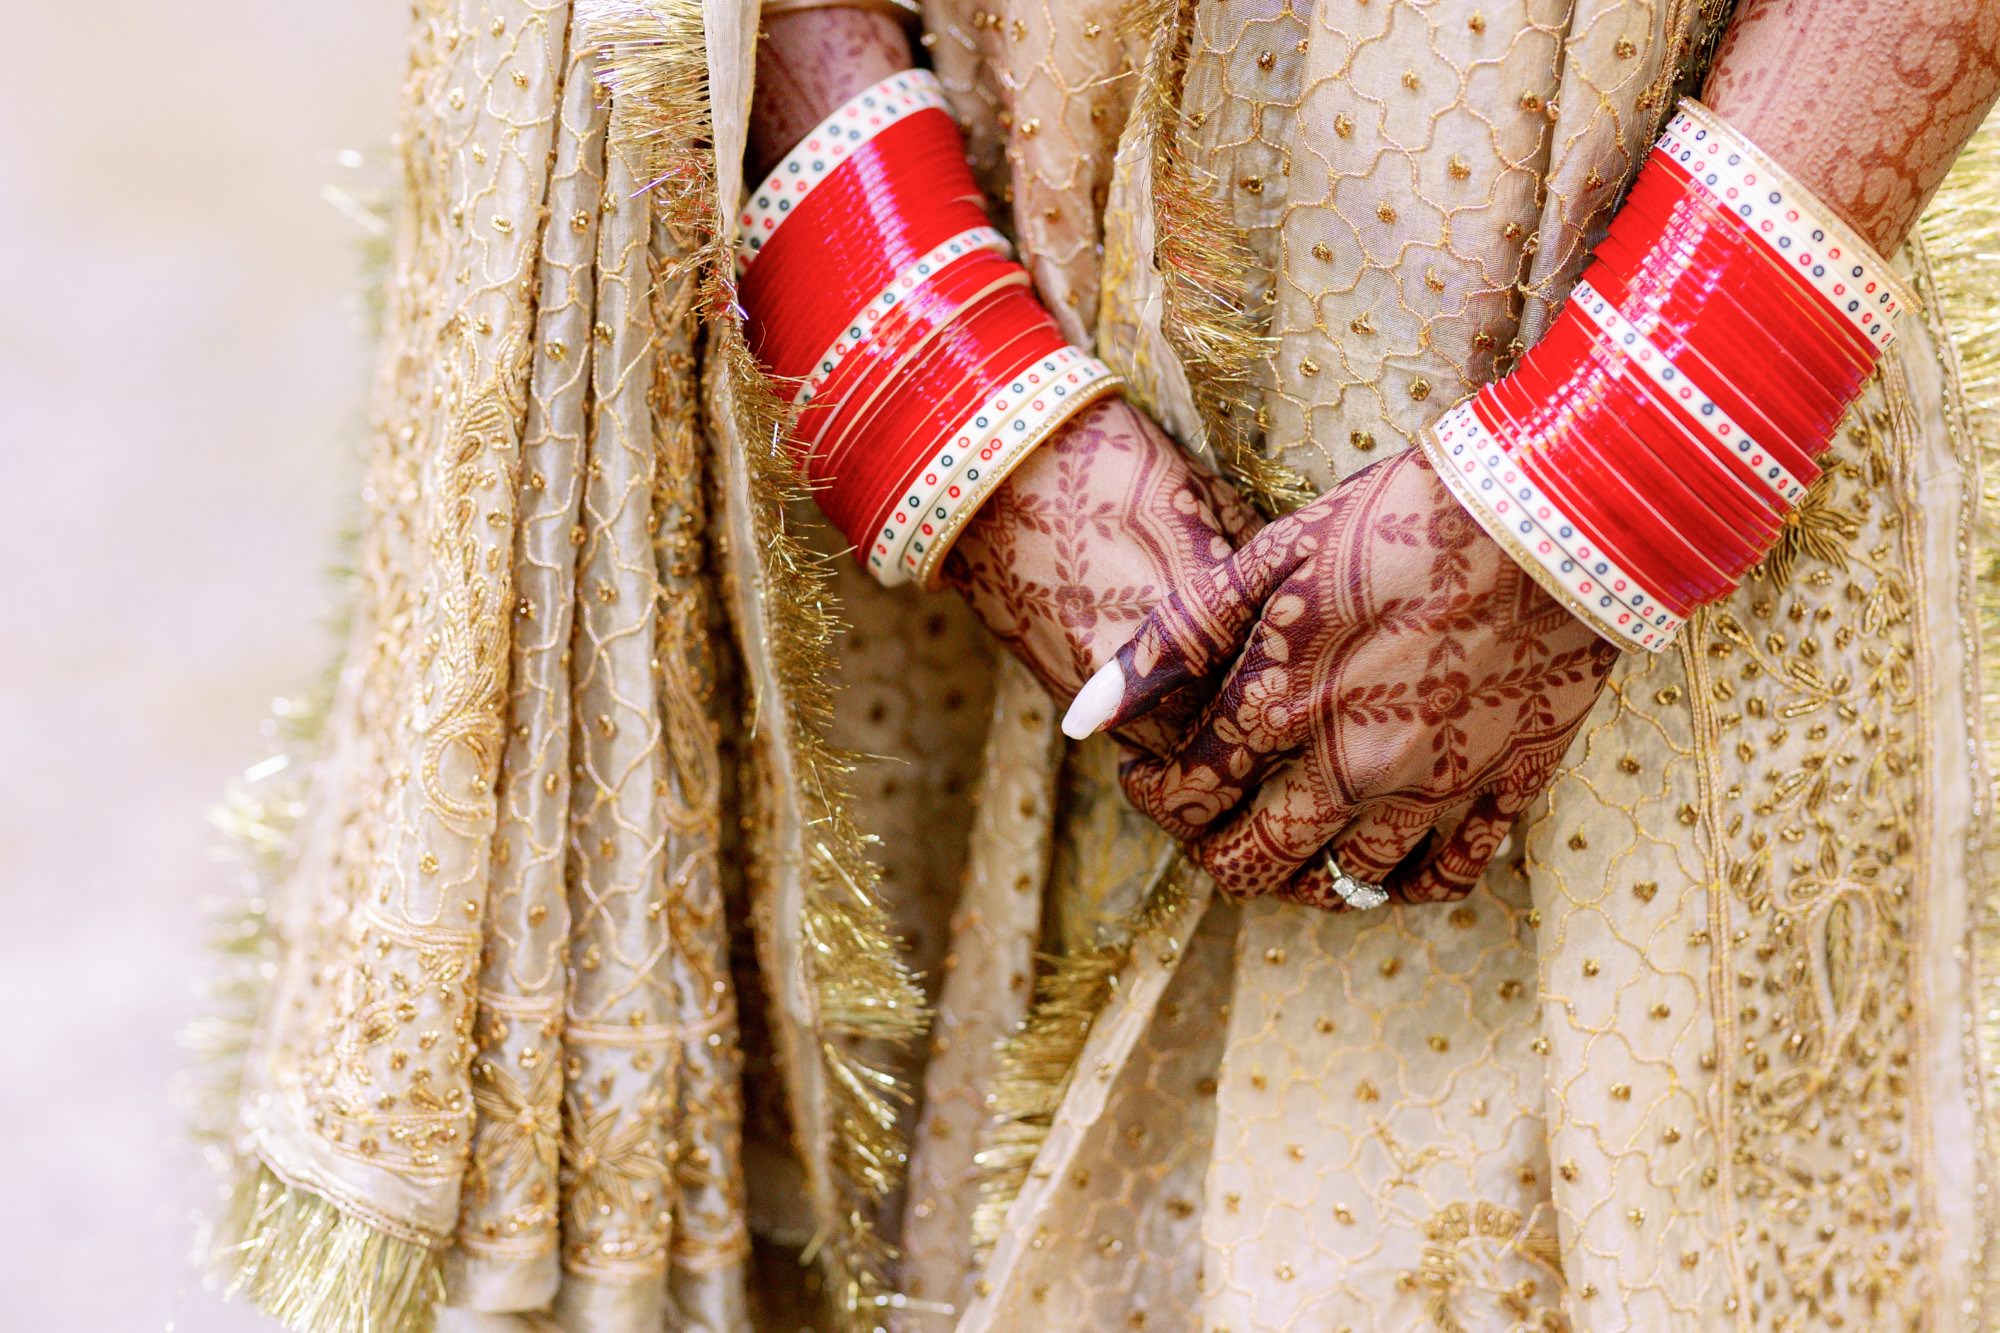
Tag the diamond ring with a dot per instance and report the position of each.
(1356, 893)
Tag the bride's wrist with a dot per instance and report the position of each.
(891, 314)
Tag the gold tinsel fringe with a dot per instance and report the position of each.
(1960, 233)
(258, 819)
(654, 62)
(296, 1256)
(256, 826)
(316, 1269)
(1202, 257)
(860, 984)
(1039, 1058)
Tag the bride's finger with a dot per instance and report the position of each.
(1238, 520)
(1197, 627)
(1201, 780)
(1371, 848)
(1380, 838)
(1282, 827)
(1268, 707)
(1456, 861)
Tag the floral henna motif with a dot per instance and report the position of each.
(1393, 688)
(1086, 537)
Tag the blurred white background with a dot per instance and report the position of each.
(183, 367)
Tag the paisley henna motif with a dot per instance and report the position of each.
(1867, 102)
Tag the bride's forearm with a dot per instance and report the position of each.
(1866, 102)
(1095, 525)
(808, 63)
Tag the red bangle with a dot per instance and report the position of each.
(1668, 213)
(1603, 503)
(920, 320)
(1643, 457)
(1785, 376)
(923, 367)
(896, 198)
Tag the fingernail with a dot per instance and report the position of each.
(1095, 702)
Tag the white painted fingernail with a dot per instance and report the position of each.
(1095, 702)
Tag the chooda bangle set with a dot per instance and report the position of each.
(1645, 454)
(886, 306)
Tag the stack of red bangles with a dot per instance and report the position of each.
(1643, 457)
(879, 295)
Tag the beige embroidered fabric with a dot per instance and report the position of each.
(575, 989)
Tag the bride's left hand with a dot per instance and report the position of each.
(1381, 681)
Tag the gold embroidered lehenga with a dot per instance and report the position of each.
(600, 948)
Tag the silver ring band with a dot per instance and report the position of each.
(1356, 893)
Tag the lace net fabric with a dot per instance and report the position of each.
(1043, 89)
(1418, 184)
(359, 1087)
(518, 1033)
(1695, 1056)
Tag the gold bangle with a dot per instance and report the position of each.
(906, 11)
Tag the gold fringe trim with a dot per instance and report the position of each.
(1202, 258)
(257, 817)
(1040, 1058)
(1960, 233)
(654, 62)
(861, 987)
(316, 1269)
(297, 1256)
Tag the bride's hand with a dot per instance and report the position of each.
(1373, 669)
(1091, 532)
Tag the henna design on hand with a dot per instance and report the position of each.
(1086, 537)
(1371, 675)
(1387, 670)
(1318, 723)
